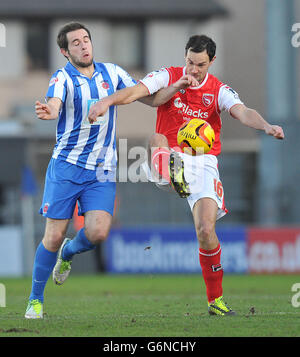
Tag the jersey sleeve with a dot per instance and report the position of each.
(228, 98)
(156, 80)
(57, 87)
(124, 79)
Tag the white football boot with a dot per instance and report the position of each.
(34, 310)
(62, 267)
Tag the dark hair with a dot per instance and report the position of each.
(62, 40)
(200, 43)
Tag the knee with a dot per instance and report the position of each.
(52, 241)
(96, 235)
(158, 140)
(205, 232)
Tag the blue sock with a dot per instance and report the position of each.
(44, 263)
(77, 245)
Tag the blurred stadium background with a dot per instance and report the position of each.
(154, 230)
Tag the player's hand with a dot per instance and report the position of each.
(276, 131)
(185, 82)
(43, 111)
(96, 110)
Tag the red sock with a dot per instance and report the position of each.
(212, 271)
(160, 162)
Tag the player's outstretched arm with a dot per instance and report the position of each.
(48, 111)
(120, 97)
(165, 94)
(139, 91)
(253, 119)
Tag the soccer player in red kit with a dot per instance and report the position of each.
(183, 93)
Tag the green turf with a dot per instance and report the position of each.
(153, 306)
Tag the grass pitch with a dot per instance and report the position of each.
(153, 306)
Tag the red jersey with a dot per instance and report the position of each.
(202, 102)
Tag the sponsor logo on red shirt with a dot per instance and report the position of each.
(185, 109)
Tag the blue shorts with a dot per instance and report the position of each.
(66, 184)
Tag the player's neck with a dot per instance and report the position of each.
(86, 71)
(203, 79)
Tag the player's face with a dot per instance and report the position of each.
(197, 64)
(80, 48)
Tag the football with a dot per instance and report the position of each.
(196, 137)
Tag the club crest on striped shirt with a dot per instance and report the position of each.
(105, 85)
(53, 81)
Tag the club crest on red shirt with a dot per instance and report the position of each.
(207, 99)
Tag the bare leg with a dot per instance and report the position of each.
(97, 225)
(54, 233)
(205, 214)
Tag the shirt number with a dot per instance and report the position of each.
(218, 188)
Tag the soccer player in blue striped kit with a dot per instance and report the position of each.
(83, 163)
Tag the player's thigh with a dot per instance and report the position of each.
(205, 215)
(97, 196)
(204, 181)
(60, 191)
(55, 232)
(97, 224)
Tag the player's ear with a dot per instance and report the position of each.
(185, 54)
(212, 60)
(64, 52)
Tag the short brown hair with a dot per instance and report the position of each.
(62, 40)
(200, 43)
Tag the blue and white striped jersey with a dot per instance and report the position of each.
(77, 141)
